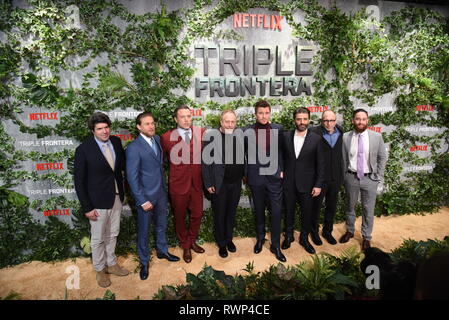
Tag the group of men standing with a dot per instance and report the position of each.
(304, 165)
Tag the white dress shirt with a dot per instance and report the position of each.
(150, 141)
(298, 142)
(355, 148)
(182, 133)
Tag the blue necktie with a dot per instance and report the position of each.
(153, 146)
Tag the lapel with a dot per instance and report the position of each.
(116, 150)
(145, 145)
(348, 141)
(291, 143)
(306, 141)
(100, 155)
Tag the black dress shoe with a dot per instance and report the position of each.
(329, 238)
(286, 243)
(306, 244)
(144, 272)
(316, 239)
(167, 256)
(231, 247)
(278, 254)
(258, 246)
(345, 238)
(365, 244)
(223, 252)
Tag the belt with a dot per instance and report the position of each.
(365, 174)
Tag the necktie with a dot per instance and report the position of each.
(360, 159)
(110, 159)
(108, 155)
(187, 137)
(153, 146)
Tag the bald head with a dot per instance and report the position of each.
(329, 120)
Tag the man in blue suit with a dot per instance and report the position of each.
(264, 175)
(146, 178)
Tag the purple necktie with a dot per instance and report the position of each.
(360, 159)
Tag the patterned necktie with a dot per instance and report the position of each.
(187, 137)
(360, 159)
(153, 146)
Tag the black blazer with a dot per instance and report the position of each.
(213, 173)
(333, 157)
(94, 178)
(307, 171)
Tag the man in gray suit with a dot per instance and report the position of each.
(364, 159)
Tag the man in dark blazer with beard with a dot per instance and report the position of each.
(303, 176)
(332, 137)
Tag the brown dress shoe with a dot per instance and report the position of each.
(365, 244)
(102, 279)
(345, 238)
(187, 255)
(196, 248)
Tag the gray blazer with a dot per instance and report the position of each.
(377, 154)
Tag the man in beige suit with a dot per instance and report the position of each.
(364, 160)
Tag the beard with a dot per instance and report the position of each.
(301, 127)
(361, 128)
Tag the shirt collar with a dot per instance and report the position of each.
(101, 143)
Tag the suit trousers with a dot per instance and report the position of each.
(330, 195)
(367, 189)
(104, 232)
(224, 205)
(144, 218)
(192, 201)
(271, 193)
(306, 203)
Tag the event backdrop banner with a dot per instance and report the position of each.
(62, 60)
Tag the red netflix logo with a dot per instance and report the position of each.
(49, 166)
(318, 108)
(246, 20)
(57, 212)
(43, 116)
(425, 108)
(419, 148)
(375, 129)
(124, 137)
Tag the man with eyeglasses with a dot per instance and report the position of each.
(332, 137)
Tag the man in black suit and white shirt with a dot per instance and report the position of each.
(303, 176)
(99, 169)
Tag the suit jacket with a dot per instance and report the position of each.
(252, 170)
(183, 175)
(333, 157)
(213, 174)
(308, 170)
(144, 170)
(377, 154)
(94, 178)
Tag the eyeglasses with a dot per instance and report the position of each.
(328, 121)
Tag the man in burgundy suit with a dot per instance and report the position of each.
(182, 148)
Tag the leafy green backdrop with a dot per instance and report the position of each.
(407, 53)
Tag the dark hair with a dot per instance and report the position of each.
(175, 113)
(301, 110)
(98, 117)
(357, 111)
(261, 104)
(143, 115)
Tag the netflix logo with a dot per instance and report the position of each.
(44, 116)
(318, 108)
(57, 212)
(425, 108)
(375, 129)
(419, 148)
(265, 21)
(124, 137)
(49, 166)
